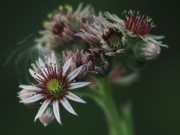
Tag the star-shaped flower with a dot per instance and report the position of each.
(53, 87)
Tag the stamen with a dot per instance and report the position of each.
(138, 24)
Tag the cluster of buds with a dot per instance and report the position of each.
(62, 24)
(94, 61)
(95, 40)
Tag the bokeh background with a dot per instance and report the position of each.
(156, 97)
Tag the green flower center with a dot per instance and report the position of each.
(55, 87)
(114, 40)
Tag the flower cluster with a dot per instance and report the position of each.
(88, 59)
(87, 45)
(140, 46)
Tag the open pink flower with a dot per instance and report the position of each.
(53, 87)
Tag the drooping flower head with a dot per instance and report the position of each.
(136, 23)
(103, 34)
(54, 85)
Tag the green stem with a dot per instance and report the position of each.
(118, 124)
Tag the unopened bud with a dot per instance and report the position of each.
(47, 117)
(147, 51)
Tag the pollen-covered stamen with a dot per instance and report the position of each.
(138, 24)
(64, 9)
(113, 37)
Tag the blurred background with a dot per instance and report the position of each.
(156, 97)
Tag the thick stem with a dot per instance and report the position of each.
(117, 124)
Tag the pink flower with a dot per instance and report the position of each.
(53, 87)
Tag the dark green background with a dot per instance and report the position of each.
(156, 97)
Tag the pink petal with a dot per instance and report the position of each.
(66, 66)
(73, 74)
(33, 99)
(30, 87)
(56, 110)
(42, 109)
(78, 85)
(73, 97)
(67, 106)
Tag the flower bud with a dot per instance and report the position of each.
(147, 51)
(47, 117)
(94, 61)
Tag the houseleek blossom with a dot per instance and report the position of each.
(104, 35)
(54, 87)
(62, 23)
(136, 26)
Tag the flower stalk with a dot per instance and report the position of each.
(119, 122)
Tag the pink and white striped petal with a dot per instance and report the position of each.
(43, 67)
(53, 58)
(25, 92)
(33, 99)
(41, 63)
(66, 66)
(74, 73)
(75, 98)
(56, 111)
(42, 109)
(30, 87)
(56, 62)
(35, 75)
(78, 85)
(67, 106)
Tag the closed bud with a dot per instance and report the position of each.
(47, 117)
(147, 51)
